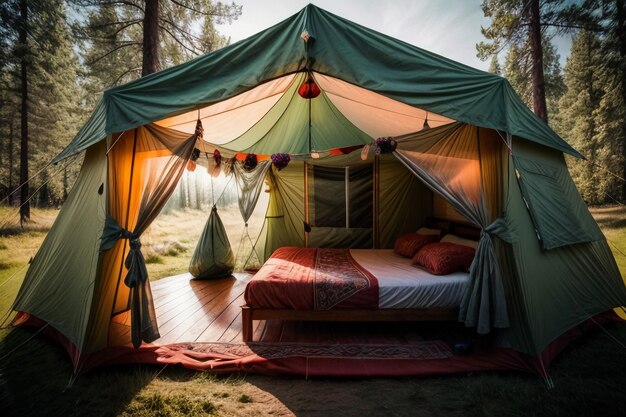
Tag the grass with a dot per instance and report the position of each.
(34, 372)
(612, 221)
(171, 239)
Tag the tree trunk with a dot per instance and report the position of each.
(536, 54)
(44, 194)
(620, 11)
(65, 184)
(24, 204)
(11, 126)
(150, 48)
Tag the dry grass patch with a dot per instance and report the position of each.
(612, 221)
(171, 239)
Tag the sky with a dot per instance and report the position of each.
(447, 27)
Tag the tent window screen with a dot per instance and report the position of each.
(559, 214)
(342, 197)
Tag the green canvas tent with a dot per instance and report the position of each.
(542, 266)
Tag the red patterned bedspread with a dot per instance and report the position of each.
(312, 279)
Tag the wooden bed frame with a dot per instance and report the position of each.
(249, 314)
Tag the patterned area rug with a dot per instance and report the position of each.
(416, 351)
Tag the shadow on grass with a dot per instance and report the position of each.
(34, 381)
(611, 222)
(588, 379)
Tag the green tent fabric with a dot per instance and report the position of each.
(285, 127)
(50, 273)
(559, 213)
(213, 256)
(550, 291)
(341, 49)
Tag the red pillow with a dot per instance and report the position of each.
(408, 245)
(444, 258)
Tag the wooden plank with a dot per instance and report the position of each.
(164, 284)
(233, 332)
(198, 295)
(188, 306)
(246, 326)
(259, 329)
(273, 331)
(201, 311)
(222, 322)
(198, 320)
(182, 317)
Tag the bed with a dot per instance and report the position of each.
(325, 284)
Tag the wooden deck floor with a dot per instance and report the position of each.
(191, 311)
(201, 311)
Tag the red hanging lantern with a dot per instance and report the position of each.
(309, 89)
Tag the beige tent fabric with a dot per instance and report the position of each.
(374, 113)
(229, 119)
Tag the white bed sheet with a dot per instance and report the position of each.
(402, 285)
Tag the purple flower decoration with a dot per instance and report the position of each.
(280, 160)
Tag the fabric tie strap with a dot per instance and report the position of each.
(112, 233)
(136, 265)
(135, 262)
(500, 228)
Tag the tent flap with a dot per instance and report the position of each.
(557, 210)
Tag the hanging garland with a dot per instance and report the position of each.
(280, 160)
(380, 146)
(250, 162)
(199, 129)
(385, 145)
(217, 158)
(215, 163)
(229, 163)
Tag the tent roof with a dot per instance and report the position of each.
(254, 77)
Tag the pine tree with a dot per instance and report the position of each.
(518, 70)
(48, 93)
(523, 24)
(577, 120)
(125, 40)
(494, 66)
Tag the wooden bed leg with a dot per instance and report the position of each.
(246, 328)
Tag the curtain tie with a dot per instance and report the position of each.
(135, 262)
(500, 228)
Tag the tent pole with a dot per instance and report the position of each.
(376, 243)
(309, 132)
(130, 189)
(347, 191)
(306, 202)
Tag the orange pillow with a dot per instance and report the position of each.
(408, 245)
(443, 258)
